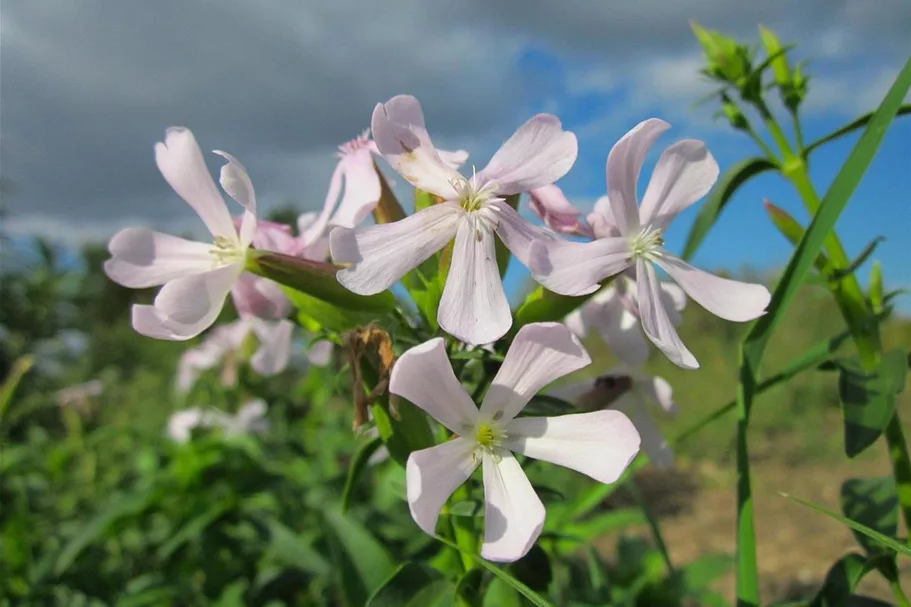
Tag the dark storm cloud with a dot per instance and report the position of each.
(87, 87)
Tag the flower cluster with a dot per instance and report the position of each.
(611, 257)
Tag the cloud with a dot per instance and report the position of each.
(88, 88)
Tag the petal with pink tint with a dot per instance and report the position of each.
(729, 299)
(539, 153)
(381, 254)
(424, 376)
(555, 210)
(653, 442)
(624, 163)
(513, 512)
(181, 163)
(142, 258)
(362, 189)
(685, 173)
(473, 307)
(271, 358)
(402, 139)
(539, 354)
(432, 475)
(516, 232)
(259, 297)
(577, 268)
(600, 444)
(655, 321)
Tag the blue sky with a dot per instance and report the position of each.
(87, 91)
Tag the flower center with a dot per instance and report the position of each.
(648, 243)
(472, 195)
(226, 251)
(490, 438)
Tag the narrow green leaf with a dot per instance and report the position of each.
(868, 398)
(721, 194)
(413, 585)
(872, 502)
(289, 549)
(859, 261)
(876, 287)
(791, 229)
(521, 588)
(194, 528)
(357, 466)
(468, 587)
(315, 278)
(13, 378)
(120, 506)
(870, 533)
(857, 123)
(365, 565)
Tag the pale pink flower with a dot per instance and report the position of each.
(226, 343)
(685, 172)
(473, 306)
(79, 395)
(556, 211)
(357, 173)
(599, 444)
(614, 313)
(250, 419)
(257, 296)
(196, 276)
(644, 393)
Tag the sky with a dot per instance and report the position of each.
(87, 88)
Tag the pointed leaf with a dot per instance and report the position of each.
(357, 466)
(413, 585)
(872, 502)
(315, 278)
(364, 565)
(843, 577)
(857, 123)
(868, 399)
(289, 549)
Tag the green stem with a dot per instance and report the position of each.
(653, 524)
(901, 467)
(747, 565)
(899, 594)
(762, 144)
(798, 133)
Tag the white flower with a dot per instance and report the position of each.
(473, 307)
(196, 276)
(599, 444)
(614, 313)
(250, 419)
(633, 237)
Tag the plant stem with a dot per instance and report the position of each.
(463, 531)
(653, 524)
(747, 565)
(901, 467)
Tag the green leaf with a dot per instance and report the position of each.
(413, 585)
(13, 378)
(289, 549)
(502, 575)
(533, 569)
(873, 534)
(861, 258)
(542, 305)
(876, 287)
(503, 254)
(721, 194)
(702, 572)
(468, 587)
(868, 399)
(409, 432)
(120, 506)
(857, 123)
(791, 229)
(841, 580)
(500, 594)
(315, 278)
(467, 508)
(195, 527)
(357, 466)
(872, 502)
(316, 315)
(364, 564)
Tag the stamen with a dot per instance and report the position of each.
(648, 243)
(226, 251)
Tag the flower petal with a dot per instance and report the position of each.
(142, 258)
(473, 307)
(362, 189)
(455, 158)
(685, 173)
(624, 163)
(513, 512)
(187, 306)
(659, 391)
(431, 476)
(555, 210)
(516, 232)
(180, 161)
(601, 220)
(382, 254)
(539, 153)
(271, 358)
(424, 376)
(600, 444)
(540, 353)
(316, 228)
(620, 329)
(236, 182)
(653, 442)
(402, 139)
(320, 353)
(729, 299)
(655, 322)
(259, 297)
(577, 268)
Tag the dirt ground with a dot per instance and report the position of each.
(796, 546)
